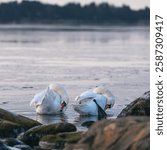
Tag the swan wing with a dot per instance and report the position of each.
(85, 96)
(38, 98)
(59, 89)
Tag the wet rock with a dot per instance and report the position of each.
(9, 129)
(129, 133)
(139, 107)
(58, 141)
(87, 123)
(36, 148)
(77, 147)
(32, 136)
(23, 147)
(23, 121)
(12, 142)
(3, 146)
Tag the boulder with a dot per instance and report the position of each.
(139, 107)
(129, 133)
(10, 129)
(23, 121)
(33, 135)
(59, 140)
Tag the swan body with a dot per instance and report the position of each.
(50, 101)
(89, 102)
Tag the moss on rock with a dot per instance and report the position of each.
(139, 107)
(32, 136)
(9, 129)
(70, 137)
(58, 141)
(23, 121)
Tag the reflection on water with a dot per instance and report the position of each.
(47, 119)
(82, 122)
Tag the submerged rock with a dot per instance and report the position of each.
(132, 133)
(58, 141)
(139, 107)
(32, 136)
(23, 121)
(10, 129)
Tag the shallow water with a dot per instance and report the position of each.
(79, 57)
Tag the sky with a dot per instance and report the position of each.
(134, 4)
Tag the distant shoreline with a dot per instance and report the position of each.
(73, 24)
(33, 12)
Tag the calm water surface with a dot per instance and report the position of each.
(79, 57)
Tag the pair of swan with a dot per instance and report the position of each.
(55, 99)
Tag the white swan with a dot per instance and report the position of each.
(94, 102)
(52, 100)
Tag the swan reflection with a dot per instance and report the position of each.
(83, 122)
(48, 119)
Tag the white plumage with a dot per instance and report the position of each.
(88, 103)
(52, 100)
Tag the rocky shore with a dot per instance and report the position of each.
(130, 131)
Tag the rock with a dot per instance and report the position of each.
(23, 147)
(139, 107)
(129, 133)
(15, 144)
(12, 142)
(87, 123)
(3, 146)
(77, 147)
(9, 129)
(23, 121)
(32, 136)
(36, 148)
(58, 141)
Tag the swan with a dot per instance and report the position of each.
(94, 102)
(52, 100)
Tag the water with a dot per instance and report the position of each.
(78, 57)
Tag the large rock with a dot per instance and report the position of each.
(130, 133)
(33, 135)
(23, 121)
(10, 129)
(58, 141)
(139, 107)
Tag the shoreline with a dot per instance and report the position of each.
(20, 132)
